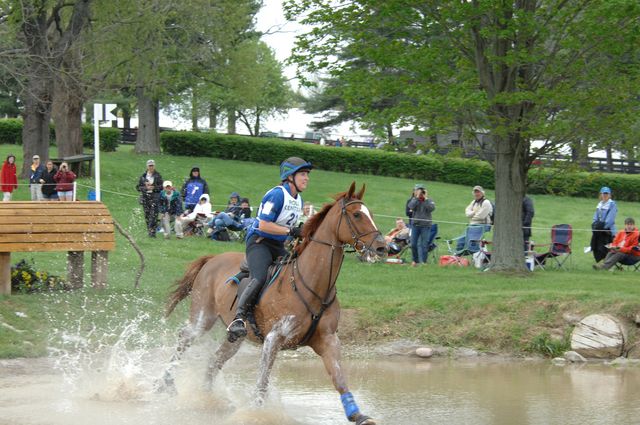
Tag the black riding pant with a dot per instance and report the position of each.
(261, 253)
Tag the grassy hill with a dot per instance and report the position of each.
(445, 306)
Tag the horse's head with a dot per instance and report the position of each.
(356, 226)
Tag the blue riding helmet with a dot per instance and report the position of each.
(292, 165)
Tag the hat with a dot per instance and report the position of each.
(478, 188)
(419, 186)
(151, 162)
(36, 157)
(605, 189)
(167, 183)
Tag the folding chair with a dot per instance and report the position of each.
(630, 262)
(197, 227)
(472, 238)
(559, 247)
(432, 250)
(398, 249)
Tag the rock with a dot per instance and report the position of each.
(559, 361)
(424, 352)
(571, 318)
(634, 351)
(574, 357)
(398, 348)
(598, 336)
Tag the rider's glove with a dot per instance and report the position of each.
(295, 232)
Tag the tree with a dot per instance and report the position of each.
(532, 68)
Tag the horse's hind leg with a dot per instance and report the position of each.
(191, 331)
(219, 358)
(328, 347)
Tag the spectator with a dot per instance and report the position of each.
(170, 206)
(230, 217)
(245, 213)
(8, 178)
(193, 189)
(603, 224)
(307, 212)
(416, 192)
(35, 179)
(65, 178)
(150, 186)
(421, 208)
(527, 219)
(480, 209)
(202, 210)
(624, 247)
(401, 231)
(49, 184)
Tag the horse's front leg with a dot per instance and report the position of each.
(328, 347)
(219, 358)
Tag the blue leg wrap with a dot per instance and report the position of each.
(349, 404)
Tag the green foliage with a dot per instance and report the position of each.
(547, 346)
(462, 171)
(26, 279)
(11, 131)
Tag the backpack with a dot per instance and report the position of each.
(492, 216)
(222, 235)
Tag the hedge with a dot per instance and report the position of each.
(11, 133)
(468, 172)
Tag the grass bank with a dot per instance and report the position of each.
(443, 306)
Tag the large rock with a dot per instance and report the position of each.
(598, 336)
(574, 357)
(424, 352)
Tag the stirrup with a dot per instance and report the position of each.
(239, 332)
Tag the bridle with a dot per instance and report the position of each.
(330, 295)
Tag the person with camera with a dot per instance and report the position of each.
(420, 207)
(49, 192)
(603, 224)
(276, 221)
(65, 179)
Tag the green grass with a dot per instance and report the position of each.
(447, 306)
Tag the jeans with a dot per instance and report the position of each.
(36, 192)
(419, 241)
(224, 220)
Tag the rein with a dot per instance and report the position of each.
(331, 293)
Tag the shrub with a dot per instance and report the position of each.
(11, 131)
(25, 279)
(470, 172)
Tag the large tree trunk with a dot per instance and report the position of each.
(256, 125)
(511, 180)
(213, 116)
(126, 117)
(194, 110)
(231, 121)
(35, 129)
(609, 151)
(66, 111)
(148, 140)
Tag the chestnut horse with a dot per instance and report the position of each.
(299, 308)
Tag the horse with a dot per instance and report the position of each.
(299, 307)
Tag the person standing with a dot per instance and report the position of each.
(193, 189)
(277, 220)
(527, 219)
(421, 208)
(603, 224)
(416, 191)
(35, 179)
(150, 186)
(170, 207)
(65, 179)
(8, 178)
(49, 185)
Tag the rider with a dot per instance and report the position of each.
(276, 221)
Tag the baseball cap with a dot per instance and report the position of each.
(478, 188)
(151, 162)
(419, 186)
(605, 189)
(36, 157)
(167, 183)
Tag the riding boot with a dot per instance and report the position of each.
(238, 327)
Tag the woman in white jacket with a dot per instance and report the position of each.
(201, 210)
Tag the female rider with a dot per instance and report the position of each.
(276, 220)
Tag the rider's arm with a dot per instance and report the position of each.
(273, 228)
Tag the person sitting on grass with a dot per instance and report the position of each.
(202, 211)
(623, 249)
(170, 206)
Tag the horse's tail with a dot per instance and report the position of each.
(185, 284)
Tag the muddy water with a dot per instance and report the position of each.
(117, 389)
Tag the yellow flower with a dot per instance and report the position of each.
(38, 275)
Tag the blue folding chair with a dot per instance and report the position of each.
(432, 250)
(472, 238)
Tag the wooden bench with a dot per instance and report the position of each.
(75, 163)
(74, 227)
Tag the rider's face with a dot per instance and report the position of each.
(301, 179)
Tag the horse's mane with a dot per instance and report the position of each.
(311, 226)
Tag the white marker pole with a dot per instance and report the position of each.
(97, 114)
